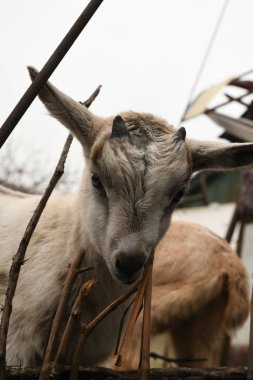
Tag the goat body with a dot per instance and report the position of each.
(199, 297)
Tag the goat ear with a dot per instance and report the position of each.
(75, 116)
(219, 156)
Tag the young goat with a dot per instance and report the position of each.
(137, 169)
(199, 297)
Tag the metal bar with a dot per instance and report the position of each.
(243, 74)
(32, 91)
(232, 99)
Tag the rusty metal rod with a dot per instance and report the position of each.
(32, 91)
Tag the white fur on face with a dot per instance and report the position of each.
(140, 176)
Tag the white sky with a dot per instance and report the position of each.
(145, 53)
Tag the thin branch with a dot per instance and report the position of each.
(71, 276)
(91, 99)
(124, 347)
(87, 328)
(61, 309)
(146, 326)
(121, 326)
(73, 322)
(18, 259)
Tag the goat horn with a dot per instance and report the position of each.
(181, 133)
(119, 128)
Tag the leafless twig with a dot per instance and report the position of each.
(74, 320)
(89, 101)
(88, 327)
(124, 347)
(121, 326)
(144, 364)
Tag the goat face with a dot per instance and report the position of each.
(137, 176)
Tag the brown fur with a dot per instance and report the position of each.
(200, 295)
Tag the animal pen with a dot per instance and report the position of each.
(55, 357)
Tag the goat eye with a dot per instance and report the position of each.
(96, 182)
(178, 196)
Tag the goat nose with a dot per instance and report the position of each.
(130, 263)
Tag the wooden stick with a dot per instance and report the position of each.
(121, 326)
(93, 96)
(18, 259)
(71, 276)
(123, 351)
(144, 365)
(88, 327)
(73, 323)
(61, 309)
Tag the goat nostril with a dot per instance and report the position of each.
(129, 264)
